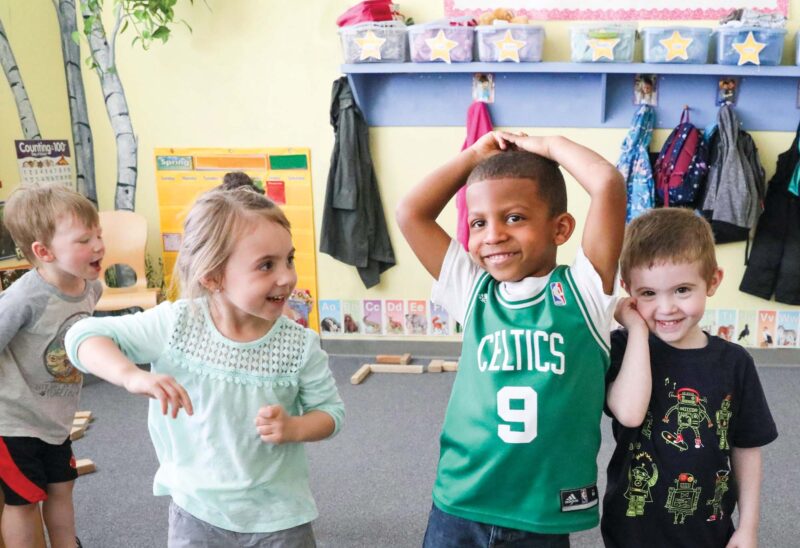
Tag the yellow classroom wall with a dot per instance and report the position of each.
(258, 73)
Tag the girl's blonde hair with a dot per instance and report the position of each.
(210, 231)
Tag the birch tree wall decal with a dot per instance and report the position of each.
(30, 129)
(79, 115)
(150, 20)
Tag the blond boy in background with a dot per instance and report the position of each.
(58, 231)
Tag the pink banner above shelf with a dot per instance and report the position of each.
(614, 9)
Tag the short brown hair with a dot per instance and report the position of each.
(32, 212)
(668, 235)
(210, 231)
(521, 164)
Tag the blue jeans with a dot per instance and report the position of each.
(448, 531)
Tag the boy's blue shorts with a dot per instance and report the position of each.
(27, 465)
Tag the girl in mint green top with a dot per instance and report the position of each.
(253, 384)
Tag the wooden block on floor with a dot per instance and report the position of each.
(76, 433)
(85, 466)
(435, 366)
(83, 415)
(388, 368)
(82, 422)
(450, 366)
(362, 373)
(400, 359)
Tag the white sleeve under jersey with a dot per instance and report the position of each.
(459, 274)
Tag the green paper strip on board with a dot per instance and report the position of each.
(288, 161)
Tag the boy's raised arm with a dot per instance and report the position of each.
(605, 222)
(418, 210)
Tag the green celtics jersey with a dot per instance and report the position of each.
(522, 429)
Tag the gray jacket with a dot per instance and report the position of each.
(736, 184)
(354, 227)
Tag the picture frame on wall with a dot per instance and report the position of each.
(8, 249)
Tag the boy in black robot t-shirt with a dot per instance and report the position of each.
(702, 417)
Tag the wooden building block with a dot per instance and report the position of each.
(388, 368)
(435, 366)
(450, 366)
(362, 373)
(85, 466)
(80, 422)
(400, 359)
(76, 433)
(83, 415)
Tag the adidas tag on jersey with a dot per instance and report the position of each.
(578, 499)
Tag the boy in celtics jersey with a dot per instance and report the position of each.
(519, 443)
(675, 479)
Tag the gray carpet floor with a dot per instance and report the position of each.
(372, 482)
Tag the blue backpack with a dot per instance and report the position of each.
(682, 166)
(634, 163)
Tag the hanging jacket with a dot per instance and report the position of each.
(479, 123)
(774, 263)
(735, 187)
(353, 224)
(634, 163)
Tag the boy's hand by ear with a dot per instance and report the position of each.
(628, 316)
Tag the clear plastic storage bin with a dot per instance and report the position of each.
(511, 42)
(602, 43)
(749, 45)
(797, 48)
(374, 42)
(442, 42)
(676, 44)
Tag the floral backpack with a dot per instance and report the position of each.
(634, 162)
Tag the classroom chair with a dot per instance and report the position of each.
(125, 236)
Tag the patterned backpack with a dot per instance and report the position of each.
(681, 168)
(634, 163)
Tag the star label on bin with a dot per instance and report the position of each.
(749, 50)
(603, 47)
(676, 46)
(441, 46)
(508, 47)
(370, 46)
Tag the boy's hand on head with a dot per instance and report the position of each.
(628, 316)
(489, 145)
(523, 141)
(164, 388)
(275, 425)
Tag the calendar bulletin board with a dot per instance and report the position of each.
(182, 174)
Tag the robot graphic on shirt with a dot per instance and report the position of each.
(640, 479)
(647, 425)
(682, 499)
(723, 421)
(720, 488)
(690, 412)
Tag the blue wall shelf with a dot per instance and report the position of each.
(570, 94)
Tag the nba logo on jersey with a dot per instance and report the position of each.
(557, 291)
